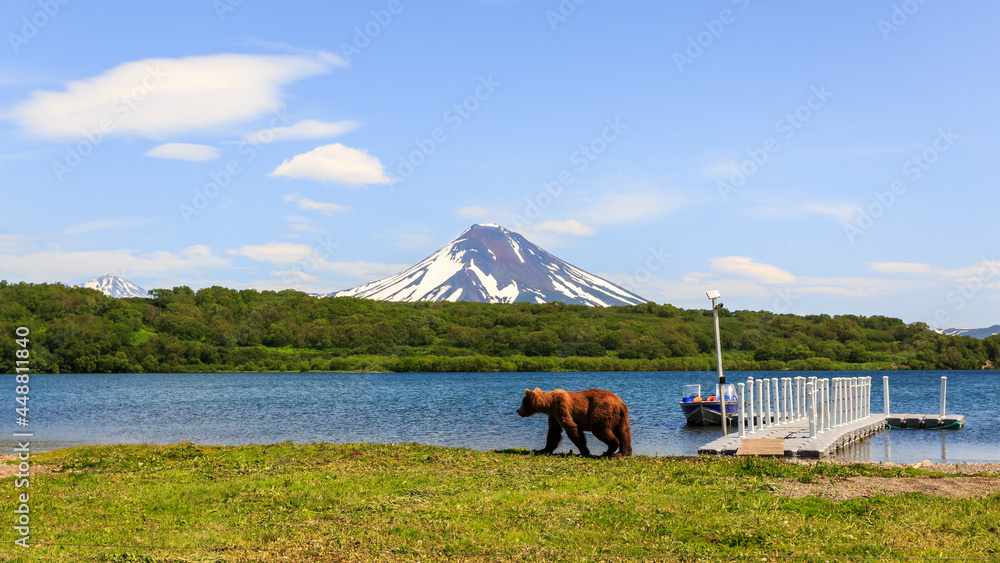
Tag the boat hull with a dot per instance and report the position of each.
(708, 413)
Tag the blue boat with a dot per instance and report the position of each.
(701, 411)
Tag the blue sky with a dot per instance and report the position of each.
(834, 157)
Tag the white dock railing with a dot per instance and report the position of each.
(819, 404)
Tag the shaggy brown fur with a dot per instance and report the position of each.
(597, 411)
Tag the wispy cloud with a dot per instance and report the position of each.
(630, 207)
(307, 129)
(310, 205)
(159, 97)
(902, 268)
(721, 169)
(473, 212)
(280, 47)
(183, 151)
(413, 240)
(987, 268)
(94, 226)
(277, 253)
(788, 209)
(567, 227)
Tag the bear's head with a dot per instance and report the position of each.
(533, 402)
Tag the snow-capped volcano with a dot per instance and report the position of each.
(490, 264)
(114, 286)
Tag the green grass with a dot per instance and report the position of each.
(364, 502)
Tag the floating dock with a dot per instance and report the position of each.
(795, 440)
(813, 418)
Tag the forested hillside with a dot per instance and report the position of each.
(77, 330)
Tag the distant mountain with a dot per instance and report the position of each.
(979, 333)
(114, 286)
(490, 264)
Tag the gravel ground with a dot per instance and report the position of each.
(961, 480)
(949, 468)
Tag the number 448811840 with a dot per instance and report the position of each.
(22, 367)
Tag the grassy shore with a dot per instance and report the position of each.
(366, 502)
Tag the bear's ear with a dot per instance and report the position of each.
(527, 391)
(537, 390)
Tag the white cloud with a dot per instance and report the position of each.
(278, 253)
(306, 228)
(317, 278)
(94, 226)
(308, 129)
(567, 227)
(616, 208)
(912, 291)
(334, 163)
(183, 151)
(722, 169)
(413, 240)
(983, 270)
(901, 268)
(310, 205)
(13, 243)
(302, 267)
(746, 267)
(841, 211)
(364, 272)
(473, 212)
(280, 47)
(159, 97)
(301, 225)
(79, 266)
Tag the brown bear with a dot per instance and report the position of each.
(597, 411)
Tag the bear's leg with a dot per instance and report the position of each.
(608, 437)
(553, 438)
(623, 431)
(625, 441)
(578, 438)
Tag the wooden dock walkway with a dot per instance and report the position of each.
(795, 439)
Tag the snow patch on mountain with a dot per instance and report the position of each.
(979, 333)
(114, 286)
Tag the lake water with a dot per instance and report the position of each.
(472, 410)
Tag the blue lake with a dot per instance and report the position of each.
(471, 410)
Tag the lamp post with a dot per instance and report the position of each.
(714, 296)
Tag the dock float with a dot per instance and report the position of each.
(925, 421)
